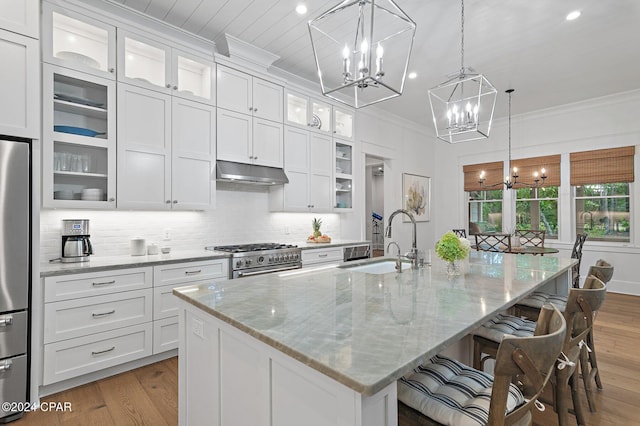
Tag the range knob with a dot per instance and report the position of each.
(238, 263)
(261, 260)
(247, 262)
(270, 259)
(281, 258)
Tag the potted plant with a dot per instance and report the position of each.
(451, 248)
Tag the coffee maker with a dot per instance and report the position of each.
(76, 245)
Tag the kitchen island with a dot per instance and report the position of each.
(326, 347)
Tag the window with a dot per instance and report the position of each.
(602, 211)
(601, 180)
(537, 208)
(485, 210)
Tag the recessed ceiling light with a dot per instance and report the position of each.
(573, 15)
(301, 9)
(412, 75)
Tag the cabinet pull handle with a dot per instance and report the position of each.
(6, 366)
(255, 110)
(94, 353)
(250, 108)
(175, 87)
(6, 321)
(104, 283)
(112, 70)
(168, 202)
(192, 272)
(323, 255)
(175, 201)
(112, 199)
(168, 86)
(101, 314)
(255, 157)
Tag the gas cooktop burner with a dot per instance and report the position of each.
(243, 248)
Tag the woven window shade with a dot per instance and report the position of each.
(492, 175)
(602, 166)
(526, 167)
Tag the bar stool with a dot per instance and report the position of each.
(460, 232)
(445, 391)
(580, 309)
(576, 253)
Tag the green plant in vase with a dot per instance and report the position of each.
(316, 227)
(451, 248)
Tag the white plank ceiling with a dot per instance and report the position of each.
(524, 44)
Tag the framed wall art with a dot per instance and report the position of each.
(416, 196)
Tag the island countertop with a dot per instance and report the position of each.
(367, 330)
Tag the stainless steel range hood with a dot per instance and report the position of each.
(228, 171)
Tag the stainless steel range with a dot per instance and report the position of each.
(262, 258)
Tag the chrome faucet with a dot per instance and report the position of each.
(413, 255)
(399, 259)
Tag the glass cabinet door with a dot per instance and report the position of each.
(297, 107)
(193, 77)
(78, 42)
(321, 116)
(343, 124)
(344, 175)
(143, 62)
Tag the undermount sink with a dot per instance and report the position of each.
(377, 266)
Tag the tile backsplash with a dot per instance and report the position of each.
(241, 216)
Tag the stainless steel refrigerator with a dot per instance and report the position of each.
(15, 276)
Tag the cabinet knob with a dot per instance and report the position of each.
(175, 201)
(112, 199)
(255, 110)
(168, 86)
(335, 131)
(250, 108)
(112, 70)
(255, 158)
(168, 202)
(175, 87)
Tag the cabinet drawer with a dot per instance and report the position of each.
(310, 257)
(75, 318)
(181, 273)
(64, 287)
(165, 304)
(75, 357)
(13, 334)
(165, 334)
(13, 381)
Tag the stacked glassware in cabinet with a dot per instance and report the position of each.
(79, 133)
(344, 175)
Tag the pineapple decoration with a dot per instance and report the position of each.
(316, 227)
(317, 236)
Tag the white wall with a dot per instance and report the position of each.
(597, 124)
(241, 216)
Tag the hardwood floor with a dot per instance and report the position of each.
(149, 395)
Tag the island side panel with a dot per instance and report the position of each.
(227, 377)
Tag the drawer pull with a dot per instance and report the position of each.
(192, 272)
(94, 353)
(101, 314)
(323, 255)
(104, 283)
(6, 321)
(6, 366)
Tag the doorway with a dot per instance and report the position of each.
(374, 204)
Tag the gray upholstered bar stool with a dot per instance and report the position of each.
(445, 391)
(580, 309)
(460, 232)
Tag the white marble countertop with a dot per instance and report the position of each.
(102, 263)
(366, 330)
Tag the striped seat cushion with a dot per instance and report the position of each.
(539, 298)
(500, 325)
(452, 393)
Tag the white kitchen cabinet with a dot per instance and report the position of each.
(305, 111)
(315, 257)
(20, 16)
(154, 64)
(78, 41)
(79, 139)
(244, 93)
(165, 304)
(245, 139)
(95, 320)
(308, 165)
(344, 174)
(166, 151)
(20, 78)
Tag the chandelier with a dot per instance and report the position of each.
(362, 49)
(462, 107)
(538, 178)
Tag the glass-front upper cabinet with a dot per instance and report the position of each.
(154, 65)
(77, 41)
(343, 175)
(343, 123)
(308, 112)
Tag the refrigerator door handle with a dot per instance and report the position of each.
(6, 321)
(6, 365)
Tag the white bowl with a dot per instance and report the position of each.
(65, 194)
